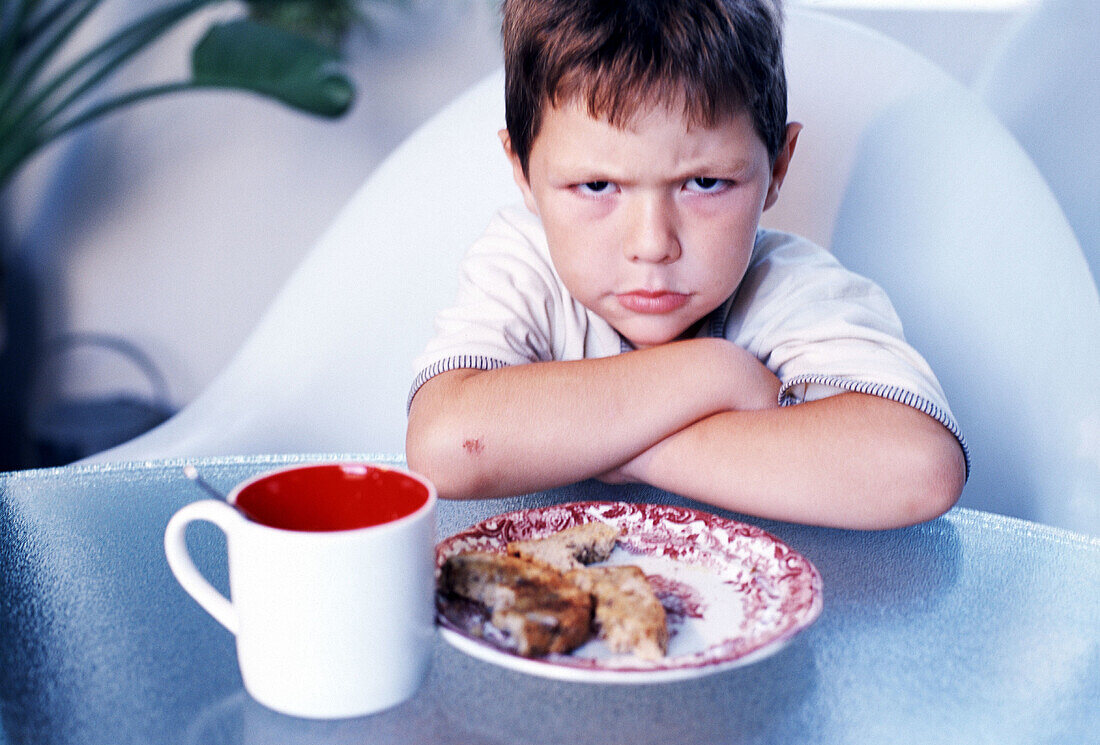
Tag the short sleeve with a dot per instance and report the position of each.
(823, 330)
(511, 308)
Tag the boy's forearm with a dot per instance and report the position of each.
(530, 427)
(850, 461)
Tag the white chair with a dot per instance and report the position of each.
(1043, 84)
(900, 171)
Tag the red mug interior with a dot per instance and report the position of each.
(331, 497)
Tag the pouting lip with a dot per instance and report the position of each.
(652, 301)
(651, 293)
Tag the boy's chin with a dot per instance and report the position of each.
(648, 341)
(649, 338)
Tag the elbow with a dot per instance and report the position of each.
(929, 480)
(449, 462)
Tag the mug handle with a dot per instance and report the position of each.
(179, 558)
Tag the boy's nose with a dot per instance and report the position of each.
(651, 232)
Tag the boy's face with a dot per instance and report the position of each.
(650, 226)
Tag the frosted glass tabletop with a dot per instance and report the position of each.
(971, 628)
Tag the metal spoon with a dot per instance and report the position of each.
(193, 473)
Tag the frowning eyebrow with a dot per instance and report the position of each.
(584, 171)
(734, 168)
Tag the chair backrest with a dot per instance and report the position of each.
(941, 206)
(900, 171)
(328, 367)
(841, 77)
(950, 216)
(1043, 84)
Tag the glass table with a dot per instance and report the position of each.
(972, 628)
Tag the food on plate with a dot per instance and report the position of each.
(537, 610)
(571, 548)
(542, 598)
(629, 617)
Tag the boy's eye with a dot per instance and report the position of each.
(595, 187)
(705, 184)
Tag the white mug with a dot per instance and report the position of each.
(331, 575)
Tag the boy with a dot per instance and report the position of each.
(635, 325)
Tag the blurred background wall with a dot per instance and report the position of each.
(174, 224)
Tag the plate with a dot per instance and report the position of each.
(733, 593)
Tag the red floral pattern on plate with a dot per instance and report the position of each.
(734, 592)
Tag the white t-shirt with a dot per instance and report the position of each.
(818, 327)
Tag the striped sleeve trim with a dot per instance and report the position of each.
(889, 392)
(465, 361)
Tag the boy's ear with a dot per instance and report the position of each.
(782, 163)
(517, 171)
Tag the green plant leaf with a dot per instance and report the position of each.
(327, 22)
(252, 56)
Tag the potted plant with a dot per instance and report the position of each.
(285, 50)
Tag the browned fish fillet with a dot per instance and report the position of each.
(629, 617)
(536, 608)
(571, 548)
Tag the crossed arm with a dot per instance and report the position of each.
(699, 418)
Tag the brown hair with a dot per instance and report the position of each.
(720, 57)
